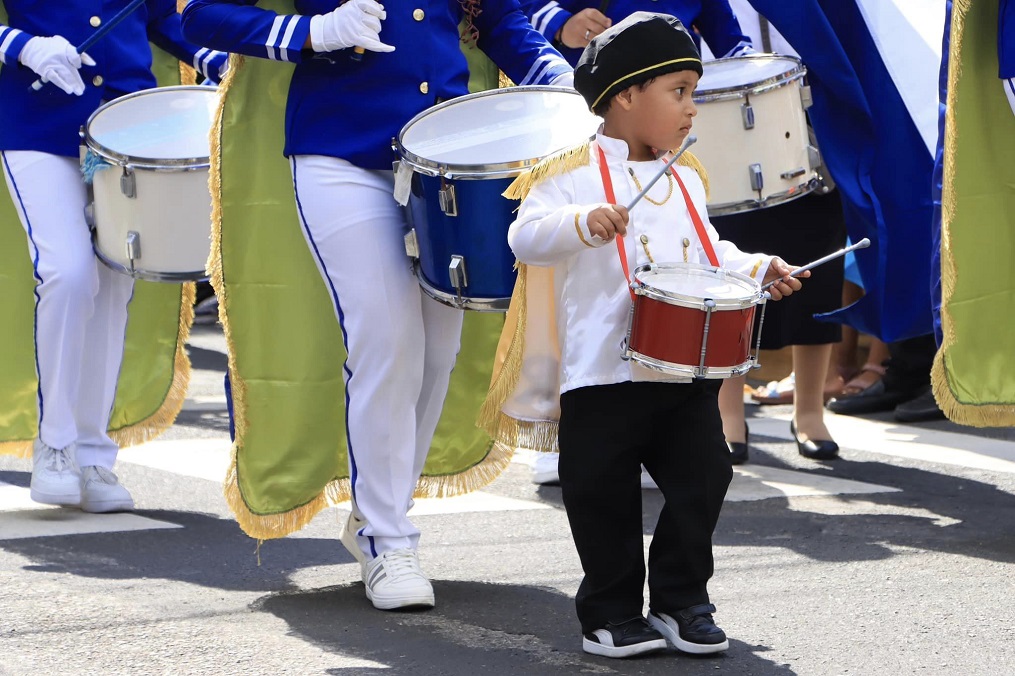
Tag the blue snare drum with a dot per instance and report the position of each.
(464, 154)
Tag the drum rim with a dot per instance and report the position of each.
(754, 297)
(136, 160)
(691, 370)
(758, 87)
(499, 170)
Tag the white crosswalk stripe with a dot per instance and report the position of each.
(208, 460)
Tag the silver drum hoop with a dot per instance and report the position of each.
(772, 200)
(798, 72)
(471, 171)
(149, 275)
(463, 303)
(687, 370)
(754, 297)
(155, 163)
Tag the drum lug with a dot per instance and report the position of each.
(90, 215)
(133, 247)
(790, 175)
(411, 244)
(446, 198)
(757, 179)
(747, 112)
(459, 277)
(813, 157)
(805, 97)
(128, 184)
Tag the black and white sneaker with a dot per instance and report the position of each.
(691, 630)
(624, 639)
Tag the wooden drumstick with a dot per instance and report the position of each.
(357, 53)
(684, 146)
(862, 244)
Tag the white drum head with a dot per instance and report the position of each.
(745, 73)
(166, 124)
(695, 283)
(497, 130)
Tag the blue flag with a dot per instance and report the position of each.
(873, 70)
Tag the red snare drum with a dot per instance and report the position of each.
(693, 320)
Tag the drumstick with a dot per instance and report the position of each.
(684, 146)
(99, 34)
(862, 244)
(357, 53)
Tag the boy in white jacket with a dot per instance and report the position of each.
(615, 415)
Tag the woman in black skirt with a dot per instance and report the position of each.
(802, 230)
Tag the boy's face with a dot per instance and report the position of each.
(664, 111)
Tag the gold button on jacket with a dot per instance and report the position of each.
(424, 87)
(418, 14)
(95, 22)
(97, 80)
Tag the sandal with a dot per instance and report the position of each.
(775, 392)
(861, 381)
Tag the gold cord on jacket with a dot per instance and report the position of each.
(637, 184)
(686, 243)
(644, 245)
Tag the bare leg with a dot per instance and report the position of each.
(810, 363)
(731, 407)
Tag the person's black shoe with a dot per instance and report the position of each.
(623, 639)
(922, 409)
(824, 449)
(691, 630)
(738, 450)
(874, 399)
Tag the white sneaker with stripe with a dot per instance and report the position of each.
(394, 580)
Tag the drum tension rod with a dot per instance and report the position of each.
(709, 307)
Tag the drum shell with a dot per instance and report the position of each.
(778, 141)
(673, 334)
(478, 233)
(171, 212)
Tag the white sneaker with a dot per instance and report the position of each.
(101, 492)
(55, 475)
(394, 580)
(544, 469)
(348, 538)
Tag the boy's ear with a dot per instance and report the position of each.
(624, 98)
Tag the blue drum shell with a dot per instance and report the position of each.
(478, 233)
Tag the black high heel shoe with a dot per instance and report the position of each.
(825, 449)
(738, 450)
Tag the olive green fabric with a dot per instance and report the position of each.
(972, 372)
(286, 347)
(154, 374)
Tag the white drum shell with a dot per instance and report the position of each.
(151, 204)
(778, 142)
(171, 214)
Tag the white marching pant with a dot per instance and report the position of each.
(401, 344)
(80, 307)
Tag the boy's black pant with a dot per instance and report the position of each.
(606, 433)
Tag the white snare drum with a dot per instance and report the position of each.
(151, 206)
(752, 132)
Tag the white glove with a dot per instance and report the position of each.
(563, 80)
(56, 60)
(356, 23)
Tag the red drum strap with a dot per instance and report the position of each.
(699, 227)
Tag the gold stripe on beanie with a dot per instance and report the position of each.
(639, 72)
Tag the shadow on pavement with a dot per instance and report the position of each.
(477, 628)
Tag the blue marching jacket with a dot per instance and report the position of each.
(714, 19)
(48, 120)
(352, 109)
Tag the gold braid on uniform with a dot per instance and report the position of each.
(573, 158)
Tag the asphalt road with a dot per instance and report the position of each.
(897, 559)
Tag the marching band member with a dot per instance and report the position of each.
(616, 415)
(361, 73)
(81, 306)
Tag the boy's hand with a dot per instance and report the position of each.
(608, 221)
(780, 270)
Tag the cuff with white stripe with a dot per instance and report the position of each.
(12, 41)
(549, 19)
(287, 36)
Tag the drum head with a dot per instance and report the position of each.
(496, 131)
(693, 283)
(745, 73)
(168, 125)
